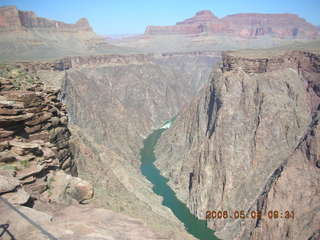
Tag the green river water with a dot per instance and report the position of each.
(197, 228)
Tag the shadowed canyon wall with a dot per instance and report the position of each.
(113, 104)
(249, 142)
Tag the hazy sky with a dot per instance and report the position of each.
(132, 16)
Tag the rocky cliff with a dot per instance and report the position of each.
(25, 36)
(139, 93)
(113, 104)
(12, 19)
(34, 141)
(248, 143)
(249, 25)
(38, 168)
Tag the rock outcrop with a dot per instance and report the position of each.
(200, 17)
(38, 168)
(34, 143)
(249, 25)
(109, 124)
(249, 142)
(12, 19)
(25, 36)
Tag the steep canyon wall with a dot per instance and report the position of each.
(249, 142)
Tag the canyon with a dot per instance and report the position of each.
(89, 149)
(94, 144)
(76, 110)
(259, 154)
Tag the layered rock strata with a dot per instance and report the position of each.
(12, 19)
(248, 143)
(25, 36)
(246, 25)
(35, 147)
(113, 102)
(37, 170)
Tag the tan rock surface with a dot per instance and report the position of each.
(18, 197)
(246, 25)
(7, 183)
(77, 222)
(63, 188)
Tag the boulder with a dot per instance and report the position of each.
(18, 197)
(55, 121)
(80, 190)
(7, 183)
(64, 188)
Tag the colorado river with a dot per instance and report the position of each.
(197, 228)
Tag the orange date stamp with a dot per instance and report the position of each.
(241, 214)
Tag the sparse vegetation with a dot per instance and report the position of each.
(19, 77)
(9, 167)
(24, 163)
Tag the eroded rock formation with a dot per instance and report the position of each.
(37, 154)
(114, 102)
(246, 25)
(13, 19)
(35, 151)
(25, 36)
(111, 121)
(249, 142)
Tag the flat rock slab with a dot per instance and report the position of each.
(8, 183)
(5, 133)
(8, 120)
(29, 171)
(7, 157)
(29, 98)
(75, 222)
(24, 145)
(17, 198)
(10, 111)
(39, 119)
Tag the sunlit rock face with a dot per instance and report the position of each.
(249, 142)
(24, 36)
(13, 19)
(35, 150)
(246, 25)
